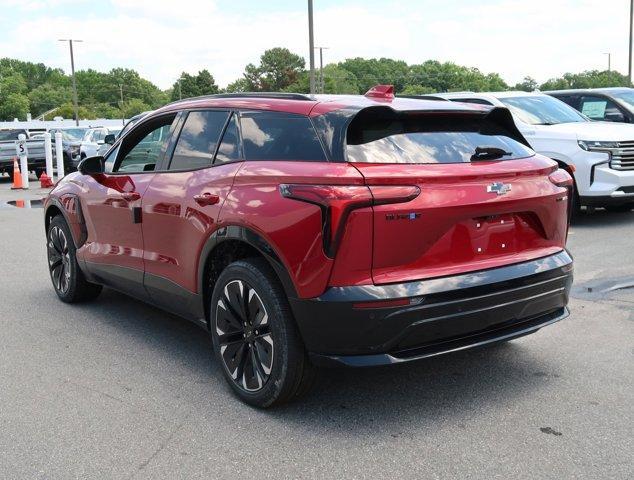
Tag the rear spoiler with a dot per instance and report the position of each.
(502, 117)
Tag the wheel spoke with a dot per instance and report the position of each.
(244, 335)
(264, 351)
(55, 239)
(226, 320)
(257, 312)
(54, 261)
(57, 275)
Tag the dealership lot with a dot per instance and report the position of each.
(119, 389)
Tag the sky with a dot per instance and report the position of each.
(162, 38)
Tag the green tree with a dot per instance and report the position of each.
(14, 105)
(529, 84)
(134, 106)
(46, 97)
(373, 71)
(278, 69)
(202, 83)
(587, 79)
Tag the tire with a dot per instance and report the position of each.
(10, 173)
(68, 280)
(255, 338)
(620, 208)
(38, 172)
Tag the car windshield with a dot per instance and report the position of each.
(542, 110)
(74, 134)
(10, 134)
(626, 96)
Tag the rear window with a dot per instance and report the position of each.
(280, 136)
(197, 142)
(389, 138)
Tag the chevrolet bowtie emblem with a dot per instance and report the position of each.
(499, 188)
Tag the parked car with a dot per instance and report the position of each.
(330, 230)
(71, 142)
(599, 155)
(36, 156)
(112, 136)
(603, 104)
(94, 139)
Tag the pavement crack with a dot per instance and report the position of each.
(160, 448)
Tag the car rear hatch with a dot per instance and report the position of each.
(486, 200)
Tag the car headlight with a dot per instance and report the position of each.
(589, 145)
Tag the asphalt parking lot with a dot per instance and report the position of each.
(118, 389)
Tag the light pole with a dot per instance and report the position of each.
(122, 114)
(629, 69)
(609, 60)
(311, 46)
(321, 68)
(72, 70)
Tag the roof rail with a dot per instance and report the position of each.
(430, 96)
(276, 95)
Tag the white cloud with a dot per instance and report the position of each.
(161, 38)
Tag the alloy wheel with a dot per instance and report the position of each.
(59, 259)
(244, 336)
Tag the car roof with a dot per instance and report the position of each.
(315, 104)
(606, 90)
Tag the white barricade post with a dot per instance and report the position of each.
(59, 152)
(22, 151)
(48, 152)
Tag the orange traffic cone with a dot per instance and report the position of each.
(17, 177)
(45, 181)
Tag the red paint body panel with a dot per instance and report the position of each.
(175, 226)
(292, 228)
(458, 226)
(113, 238)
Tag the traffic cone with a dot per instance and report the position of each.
(45, 181)
(17, 177)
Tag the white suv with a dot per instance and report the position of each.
(600, 155)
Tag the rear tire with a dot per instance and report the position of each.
(255, 338)
(68, 280)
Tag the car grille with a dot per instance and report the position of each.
(622, 158)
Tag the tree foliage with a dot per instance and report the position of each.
(202, 83)
(35, 88)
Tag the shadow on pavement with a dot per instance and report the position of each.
(456, 385)
(602, 218)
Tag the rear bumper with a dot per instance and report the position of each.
(443, 314)
(619, 197)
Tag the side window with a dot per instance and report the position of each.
(280, 136)
(598, 108)
(141, 152)
(229, 149)
(198, 139)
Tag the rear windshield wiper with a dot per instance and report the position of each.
(489, 153)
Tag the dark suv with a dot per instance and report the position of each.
(320, 230)
(603, 104)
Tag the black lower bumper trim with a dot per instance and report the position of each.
(500, 334)
(606, 201)
(435, 311)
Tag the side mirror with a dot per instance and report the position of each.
(91, 165)
(615, 117)
(109, 139)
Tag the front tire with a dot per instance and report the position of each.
(68, 280)
(254, 336)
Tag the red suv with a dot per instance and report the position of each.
(320, 230)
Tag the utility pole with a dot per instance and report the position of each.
(321, 68)
(609, 60)
(72, 70)
(180, 89)
(122, 114)
(629, 70)
(311, 46)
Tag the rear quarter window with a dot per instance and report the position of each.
(280, 136)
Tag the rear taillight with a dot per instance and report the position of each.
(562, 178)
(337, 201)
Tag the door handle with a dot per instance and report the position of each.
(205, 199)
(130, 196)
